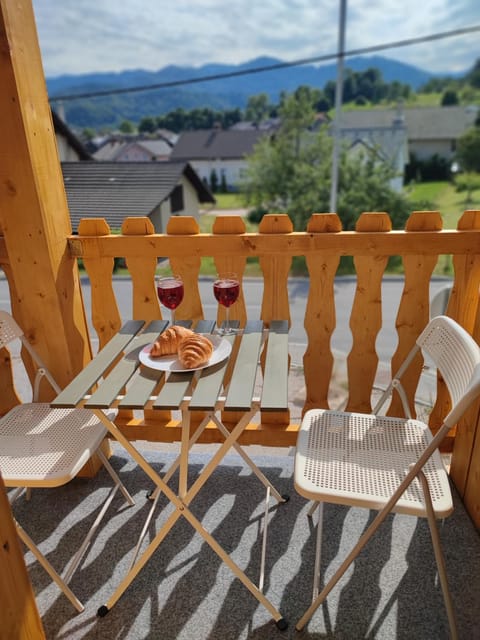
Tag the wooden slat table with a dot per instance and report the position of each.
(116, 379)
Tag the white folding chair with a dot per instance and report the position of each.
(388, 463)
(45, 447)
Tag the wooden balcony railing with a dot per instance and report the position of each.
(372, 243)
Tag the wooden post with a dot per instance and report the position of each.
(34, 216)
(19, 616)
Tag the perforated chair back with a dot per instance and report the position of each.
(389, 463)
(457, 357)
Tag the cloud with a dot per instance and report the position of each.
(107, 35)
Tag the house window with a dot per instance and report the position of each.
(176, 199)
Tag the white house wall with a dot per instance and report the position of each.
(425, 149)
(234, 170)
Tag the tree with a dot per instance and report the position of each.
(213, 181)
(291, 173)
(127, 127)
(449, 98)
(473, 77)
(147, 125)
(468, 150)
(258, 107)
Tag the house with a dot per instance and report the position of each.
(430, 130)
(387, 140)
(116, 190)
(119, 149)
(217, 151)
(69, 146)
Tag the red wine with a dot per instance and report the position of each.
(226, 291)
(170, 293)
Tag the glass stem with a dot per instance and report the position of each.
(172, 316)
(227, 320)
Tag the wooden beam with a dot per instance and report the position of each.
(19, 616)
(34, 216)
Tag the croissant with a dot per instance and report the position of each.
(194, 351)
(168, 341)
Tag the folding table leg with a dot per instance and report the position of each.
(183, 510)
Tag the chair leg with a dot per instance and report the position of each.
(115, 478)
(318, 551)
(83, 548)
(25, 538)
(439, 557)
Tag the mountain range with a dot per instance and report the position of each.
(222, 93)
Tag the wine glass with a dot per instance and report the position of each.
(170, 292)
(226, 289)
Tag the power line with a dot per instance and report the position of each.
(272, 67)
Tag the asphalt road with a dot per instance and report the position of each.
(298, 292)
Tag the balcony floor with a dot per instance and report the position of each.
(185, 592)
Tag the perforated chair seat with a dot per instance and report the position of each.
(41, 446)
(360, 460)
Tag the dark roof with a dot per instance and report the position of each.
(61, 128)
(116, 190)
(422, 123)
(215, 144)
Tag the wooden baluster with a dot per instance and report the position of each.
(19, 617)
(366, 317)
(414, 309)
(234, 225)
(275, 303)
(145, 304)
(105, 314)
(320, 319)
(187, 267)
(467, 451)
(462, 307)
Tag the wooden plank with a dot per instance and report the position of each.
(209, 385)
(34, 215)
(188, 266)
(414, 309)
(19, 617)
(366, 318)
(142, 271)
(320, 317)
(275, 377)
(224, 226)
(174, 390)
(242, 383)
(296, 243)
(76, 390)
(105, 395)
(105, 314)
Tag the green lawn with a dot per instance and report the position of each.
(444, 198)
(229, 201)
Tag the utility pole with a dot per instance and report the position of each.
(338, 105)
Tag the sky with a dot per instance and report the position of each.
(84, 36)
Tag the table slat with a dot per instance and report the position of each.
(124, 370)
(275, 382)
(209, 385)
(84, 381)
(144, 385)
(242, 385)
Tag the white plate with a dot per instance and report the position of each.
(221, 350)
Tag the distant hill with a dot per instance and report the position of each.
(225, 93)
